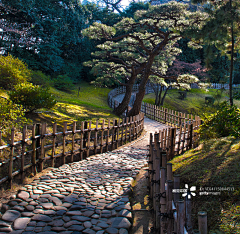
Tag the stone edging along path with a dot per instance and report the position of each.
(89, 196)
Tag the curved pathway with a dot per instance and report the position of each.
(89, 196)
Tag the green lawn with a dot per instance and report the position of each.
(216, 163)
(90, 104)
(193, 104)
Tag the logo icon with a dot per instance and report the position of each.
(189, 192)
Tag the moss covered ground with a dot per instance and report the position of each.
(214, 167)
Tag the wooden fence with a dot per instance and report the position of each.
(171, 215)
(160, 114)
(149, 89)
(225, 86)
(170, 117)
(74, 143)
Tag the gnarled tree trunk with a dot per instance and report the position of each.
(125, 102)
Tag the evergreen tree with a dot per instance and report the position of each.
(222, 31)
(143, 46)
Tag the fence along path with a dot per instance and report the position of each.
(171, 215)
(41, 149)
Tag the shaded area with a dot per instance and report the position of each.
(214, 164)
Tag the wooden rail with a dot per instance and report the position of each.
(160, 114)
(74, 143)
(171, 214)
(170, 117)
(149, 89)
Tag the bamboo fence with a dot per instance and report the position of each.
(170, 117)
(171, 215)
(74, 143)
(160, 114)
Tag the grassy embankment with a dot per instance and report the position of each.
(215, 163)
(194, 103)
(90, 104)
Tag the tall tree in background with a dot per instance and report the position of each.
(151, 37)
(222, 31)
(47, 34)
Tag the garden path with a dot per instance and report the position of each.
(89, 196)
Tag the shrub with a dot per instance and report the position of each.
(39, 78)
(209, 100)
(64, 83)
(224, 122)
(12, 72)
(32, 97)
(11, 115)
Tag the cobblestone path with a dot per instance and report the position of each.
(89, 196)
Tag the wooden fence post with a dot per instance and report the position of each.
(169, 205)
(95, 138)
(180, 217)
(157, 189)
(10, 169)
(150, 162)
(126, 130)
(34, 171)
(81, 140)
(176, 185)
(64, 142)
(169, 171)
(153, 184)
(164, 159)
(88, 139)
(118, 129)
(165, 115)
(122, 129)
(102, 134)
(54, 143)
(172, 144)
(38, 141)
(107, 137)
(202, 222)
(42, 155)
(73, 140)
(23, 153)
(188, 214)
(85, 135)
(191, 136)
(162, 196)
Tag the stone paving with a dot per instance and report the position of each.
(90, 196)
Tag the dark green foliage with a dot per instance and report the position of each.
(189, 55)
(133, 7)
(209, 100)
(39, 78)
(236, 94)
(11, 115)
(12, 72)
(63, 82)
(73, 70)
(225, 122)
(32, 97)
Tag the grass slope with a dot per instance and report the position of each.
(216, 163)
(193, 104)
(90, 104)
